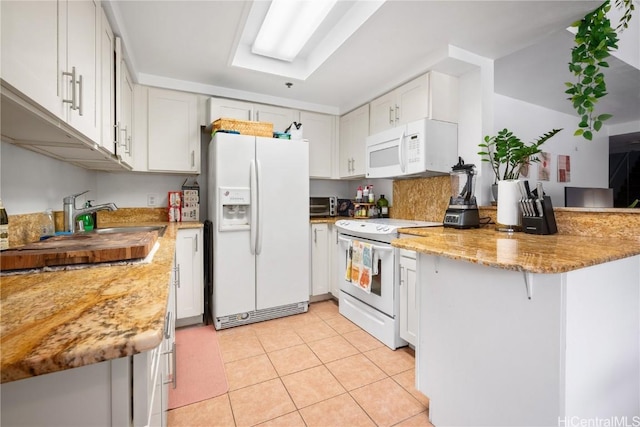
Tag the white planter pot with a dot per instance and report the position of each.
(509, 215)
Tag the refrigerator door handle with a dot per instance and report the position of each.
(259, 198)
(253, 225)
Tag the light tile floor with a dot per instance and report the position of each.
(311, 369)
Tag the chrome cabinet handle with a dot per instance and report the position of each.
(195, 249)
(391, 115)
(315, 236)
(127, 147)
(397, 113)
(123, 141)
(401, 275)
(193, 158)
(71, 101)
(80, 93)
(117, 135)
(177, 275)
(166, 325)
(174, 363)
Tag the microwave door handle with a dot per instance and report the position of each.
(401, 150)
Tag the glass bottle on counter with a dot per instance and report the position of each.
(383, 207)
(47, 228)
(4, 228)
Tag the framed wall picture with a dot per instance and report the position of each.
(544, 166)
(564, 168)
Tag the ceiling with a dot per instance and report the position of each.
(189, 45)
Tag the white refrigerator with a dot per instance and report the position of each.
(259, 205)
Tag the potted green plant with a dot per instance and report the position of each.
(507, 154)
(595, 39)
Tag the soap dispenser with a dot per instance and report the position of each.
(87, 219)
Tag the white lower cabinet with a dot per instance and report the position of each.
(190, 285)
(126, 391)
(408, 297)
(333, 259)
(320, 259)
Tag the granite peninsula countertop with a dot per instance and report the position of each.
(52, 321)
(518, 251)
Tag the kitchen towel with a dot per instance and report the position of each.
(361, 265)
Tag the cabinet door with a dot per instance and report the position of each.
(383, 113)
(334, 284)
(354, 129)
(229, 108)
(124, 146)
(190, 292)
(30, 45)
(412, 100)
(107, 84)
(174, 134)
(319, 129)
(408, 297)
(280, 117)
(83, 23)
(320, 261)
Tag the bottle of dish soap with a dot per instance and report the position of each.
(87, 219)
(4, 228)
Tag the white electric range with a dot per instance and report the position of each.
(374, 308)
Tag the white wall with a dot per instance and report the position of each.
(589, 159)
(31, 182)
(130, 189)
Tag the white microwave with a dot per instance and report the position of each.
(421, 148)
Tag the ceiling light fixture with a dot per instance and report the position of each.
(288, 26)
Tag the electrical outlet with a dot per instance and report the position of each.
(152, 199)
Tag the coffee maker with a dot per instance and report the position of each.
(463, 208)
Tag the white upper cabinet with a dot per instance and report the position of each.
(173, 131)
(320, 131)
(280, 117)
(125, 125)
(83, 64)
(354, 129)
(433, 95)
(50, 53)
(107, 85)
(30, 51)
(229, 108)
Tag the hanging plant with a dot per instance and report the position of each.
(594, 40)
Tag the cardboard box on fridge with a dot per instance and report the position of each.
(175, 206)
(190, 201)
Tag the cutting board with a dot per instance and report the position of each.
(79, 249)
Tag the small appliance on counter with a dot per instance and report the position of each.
(323, 206)
(463, 208)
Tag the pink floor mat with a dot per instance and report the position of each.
(200, 367)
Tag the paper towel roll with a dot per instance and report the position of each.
(508, 202)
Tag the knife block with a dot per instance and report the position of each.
(541, 224)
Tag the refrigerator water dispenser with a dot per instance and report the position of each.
(236, 208)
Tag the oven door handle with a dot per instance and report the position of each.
(375, 247)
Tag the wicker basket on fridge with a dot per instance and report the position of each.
(244, 127)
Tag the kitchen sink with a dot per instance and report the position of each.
(132, 229)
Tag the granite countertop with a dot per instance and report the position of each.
(52, 321)
(324, 219)
(517, 251)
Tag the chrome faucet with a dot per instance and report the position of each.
(71, 213)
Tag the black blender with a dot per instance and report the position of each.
(463, 208)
